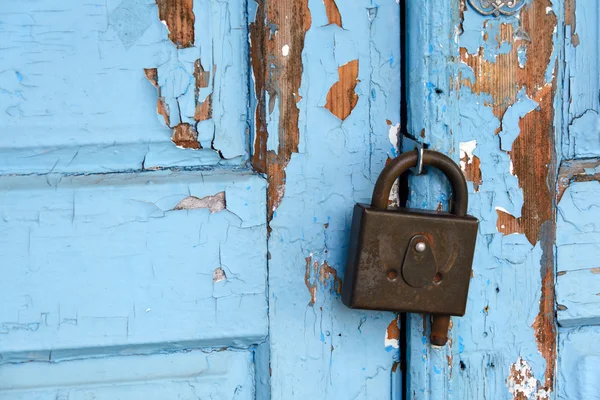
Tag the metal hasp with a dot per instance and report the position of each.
(497, 7)
(408, 260)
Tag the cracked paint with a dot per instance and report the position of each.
(141, 251)
(178, 16)
(214, 203)
(522, 384)
(496, 103)
(333, 164)
(277, 82)
(341, 98)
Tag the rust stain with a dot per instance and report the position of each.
(179, 17)
(571, 20)
(186, 136)
(341, 98)
(472, 171)
(333, 13)
(507, 223)
(277, 77)
(395, 366)
(204, 109)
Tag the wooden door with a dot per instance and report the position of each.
(156, 160)
(177, 180)
(510, 90)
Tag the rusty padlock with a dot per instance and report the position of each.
(409, 260)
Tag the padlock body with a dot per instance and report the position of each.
(379, 247)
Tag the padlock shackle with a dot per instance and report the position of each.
(403, 162)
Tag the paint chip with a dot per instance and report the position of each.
(342, 98)
(392, 335)
(522, 384)
(219, 275)
(214, 203)
(285, 50)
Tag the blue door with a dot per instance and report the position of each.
(177, 180)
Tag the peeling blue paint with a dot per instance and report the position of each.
(76, 99)
(510, 122)
(336, 165)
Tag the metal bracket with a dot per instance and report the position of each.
(497, 7)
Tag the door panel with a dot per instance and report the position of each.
(578, 364)
(133, 237)
(578, 249)
(331, 120)
(190, 375)
(76, 97)
(482, 91)
(105, 263)
(578, 237)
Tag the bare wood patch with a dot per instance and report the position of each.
(507, 223)
(277, 76)
(341, 98)
(179, 17)
(333, 13)
(571, 20)
(204, 109)
(472, 170)
(186, 136)
(326, 274)
(202, 76)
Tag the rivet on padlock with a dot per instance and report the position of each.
(408, 260)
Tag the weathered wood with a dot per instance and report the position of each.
(498, 103)
(341, 98)
(179, 18)
(277, 72)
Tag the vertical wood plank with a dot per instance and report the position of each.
(321, 155)
(496, 104)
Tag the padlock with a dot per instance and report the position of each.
(409, 260)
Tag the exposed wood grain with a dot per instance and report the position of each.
(204, 109)
(571, 20)
(472, 170)
(202, 76)
(179, 17)
(333, 13)
(277, 76)
(533, 152)
(341, 98)
(507, 223)
(185, 135)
